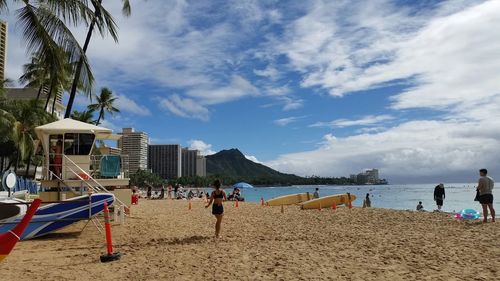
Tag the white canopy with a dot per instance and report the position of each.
(69, 125)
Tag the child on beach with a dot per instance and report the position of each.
(420, 207)
(316, 193)
(217, 197)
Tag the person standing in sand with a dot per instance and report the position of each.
(439, 195)
(485, 187)
(217, 197)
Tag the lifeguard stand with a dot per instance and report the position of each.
(78, 169)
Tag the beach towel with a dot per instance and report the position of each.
(110, 166)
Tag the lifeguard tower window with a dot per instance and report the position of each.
(78, 144)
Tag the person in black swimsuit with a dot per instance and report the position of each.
(217, 197)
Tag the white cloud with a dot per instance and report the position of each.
(269, 72)
(288, 120)
(126, 104)
(415, 150)
(184, 107)
(204, 148)
(365, 121)
(252, 158)
(238, 87)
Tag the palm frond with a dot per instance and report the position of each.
(71, 11)
(46, 34)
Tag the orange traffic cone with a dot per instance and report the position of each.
(236, 205)
(190, 206)
(334, 206)
(110, 255)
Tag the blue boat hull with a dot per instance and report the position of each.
(52, 217)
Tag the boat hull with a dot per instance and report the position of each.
(290, 199)
(56, 216)
(327, 201)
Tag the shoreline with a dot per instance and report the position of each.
(163, 240)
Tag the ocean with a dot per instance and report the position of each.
(458, 195)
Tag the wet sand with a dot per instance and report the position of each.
(163, 240)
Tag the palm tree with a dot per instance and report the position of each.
(105, 23)
(35, 74)
(43, 24)
(23, 117)
(104, 103)
(86, 116)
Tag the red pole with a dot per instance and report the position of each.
(110, 256)
(109, 240)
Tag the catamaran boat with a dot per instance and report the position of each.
(75, 182)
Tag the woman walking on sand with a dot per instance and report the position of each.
(217, 197)
(439, 195)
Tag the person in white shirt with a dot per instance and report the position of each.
(316, 193)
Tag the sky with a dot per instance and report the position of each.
(324, 88)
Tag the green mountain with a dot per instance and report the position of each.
(233, 163)
(232, 166)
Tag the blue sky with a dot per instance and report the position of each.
(310, 87)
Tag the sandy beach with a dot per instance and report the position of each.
(163, 240)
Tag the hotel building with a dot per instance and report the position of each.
(135, 145)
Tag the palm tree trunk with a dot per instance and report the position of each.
(17, 161)
(54, 104)
(49, 95)
(101, 114)
(79, 66)
(28, 164)
(39, 92)
(9, 165)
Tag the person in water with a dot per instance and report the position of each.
(439, 195)
(217, 197)
(485, 187)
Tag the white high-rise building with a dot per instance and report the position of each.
(135, 145)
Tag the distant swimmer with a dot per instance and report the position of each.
(316, 193)
(485, 187)
(217, 197)
(439, 195)
(420, 207)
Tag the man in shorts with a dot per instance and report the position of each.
(485, 188)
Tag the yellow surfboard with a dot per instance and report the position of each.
(289, 199)
(327, 201)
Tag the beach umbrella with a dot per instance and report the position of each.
(242, 185)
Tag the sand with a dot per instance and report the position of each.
(165, 241)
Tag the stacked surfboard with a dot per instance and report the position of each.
(290, 199)
(327, 201)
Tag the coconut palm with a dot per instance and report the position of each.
(35, 74)
(86, 116)
(104, 103)
(43, 25)
(104, 22)
(24, 117)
